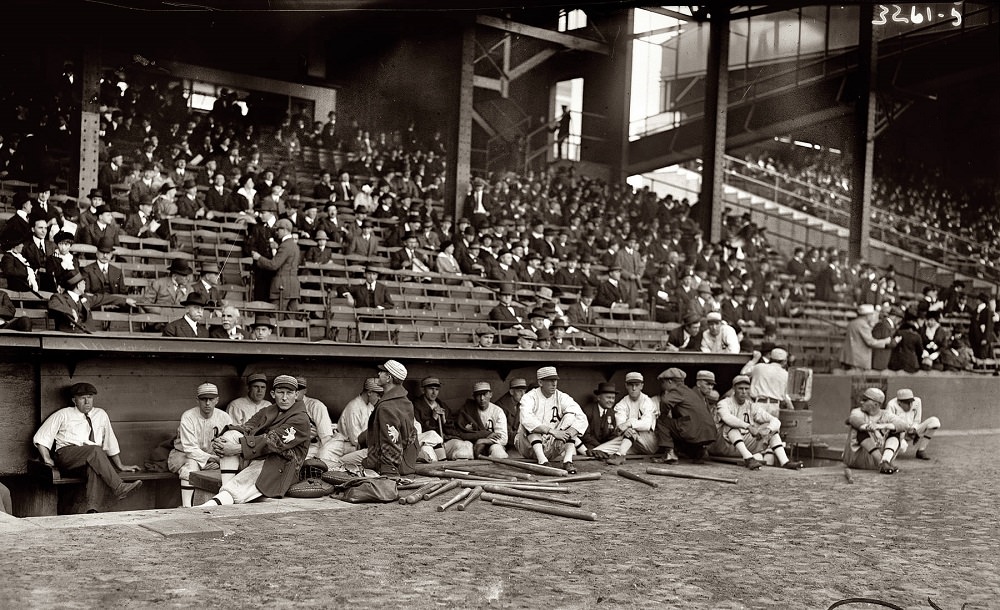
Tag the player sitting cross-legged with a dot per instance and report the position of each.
(875, 434)
(746, 429)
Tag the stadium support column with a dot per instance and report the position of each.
(90, 121)
(863, 153)
(716, 111)
(458, 173)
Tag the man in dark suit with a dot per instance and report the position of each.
(208, 284)
(18, 226)
(371, 293)
(407, 257)
(609, 293)
(103, 277)
(111, 173)
(145, 187)
(106, 226)
(218, 198)
(284, 290)
(187, 325)
(71, 310)
(37, 248)
(601, 419)
(581, 313)
(43, 209)
(505, 313)
(478, 203)
(345, 190)
(686, 337)
(230, 327)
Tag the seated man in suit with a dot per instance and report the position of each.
(187, 326)
(371, 293)
(169, 291)
(686, 337)
(601, 421)
(230, 327)
(71, 309)
(9, 320)
(106, 226)
(208, 284)
(103, 277)
(83, 438)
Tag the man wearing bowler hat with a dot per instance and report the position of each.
(371, 293)
(168, 291)
(103, 277)
(207, 284)
(505, 313)
(82, 437)
(106, 226)
(88, 208)
(71, 310)
(188, 205)
(187, 325)
(600, 421)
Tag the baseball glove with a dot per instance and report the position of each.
(310, 488)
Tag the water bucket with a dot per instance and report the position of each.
(796, 426)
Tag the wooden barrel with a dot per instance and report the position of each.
(796, 426)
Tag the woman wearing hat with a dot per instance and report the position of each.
(16, 268)
(61, 261)
(447, 264)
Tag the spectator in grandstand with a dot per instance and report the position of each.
(447, 264)
(9, 320)
(179, 173)
(218, 198)
(230, 327)
(321, 253)
(526, 339)
(71, 309)
(408, 258)
(609, 292)
(484, 336)
(478, 203)
(245, 199)
(956, 357)
(364, 200)
(113, 172)
(17, 229)
(168, 291)
(907, 348)
(187, 325)
(263, 328)
(876, 434)
(687, 336)
(20, 276)
(633, 267)
(885, 327)
(719, 337)
(858, 345)
(188, 205)
(143, 223)
(106, 226)
(60, 261)
(102, 276)
(559, 329)
(284, 289)
(192, 446)
(982, 329)
(581, 313)
(366, 243)
(929, 302)
(147, 187)
(371, 293)
(208, 284)
(544, 339)
(935, 337)
(505, 313)
(81, 436)
(330, 223)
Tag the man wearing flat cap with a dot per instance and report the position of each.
(187, 326)
(284, 290)
(526, 339)
(71, 310)
(481, 424)
(551, 421)
(434, 415)
(484, 336)
(243, 408)
(192, 450)
(684, 422)
(267, 450)
(82, 437)
(102, 276)
(876, 434)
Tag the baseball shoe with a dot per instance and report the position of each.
(701, 457)
(922, 455)
(123, 490)
(793, 465)
(752, 463)
(616, 460)
(887, 468)
(569, 467)
(667, 457)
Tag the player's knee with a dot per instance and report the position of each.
(932, 423)
(497, 451)
(460, 450)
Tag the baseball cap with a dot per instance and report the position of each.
(208, 389)
(633, 376)
(285, 381)
(256, 377)
(875, 394)
(301, 383)
(865, 309)
(430, 382)
(714, 316)
(481, 386)
(741, 379)
(904, 394)
(547, 372)
(394, 368)
(518, 382)
(372, 385)
(705, 376)
(779, 355)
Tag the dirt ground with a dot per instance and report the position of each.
(777, 539)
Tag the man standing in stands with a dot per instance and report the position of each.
(243, 408)
(192, 449)
(284, 291)
(858, 345)
(478, 203)
(83, 438)
(103, 277)
(267, 450)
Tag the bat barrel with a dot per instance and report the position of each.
(454, 500)
(472, 497)
(558, 511)
(530, 495)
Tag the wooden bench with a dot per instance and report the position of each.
(62, 493)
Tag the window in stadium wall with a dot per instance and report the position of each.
(567, 93)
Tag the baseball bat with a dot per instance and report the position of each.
(576, 478)
(665, 472)
(440, 490)
(412, 485)
(523, 476)
(628, 475)
(535, 468)
(479, 473)
(472, 497)
(530, 495)
(461, 495)
(418, 495)
(525, 486)
(455, 474)
(558, 511)
(848, 475)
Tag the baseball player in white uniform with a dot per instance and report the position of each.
(907, 407)
(482, 424)
(875, 434)
(192, 449)
(748, 430)
(635, 420)
(320, 424)
(550, 422)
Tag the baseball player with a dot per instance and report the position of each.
(245, 407)
(320, 424)
(635, 420)
(907, 407)
(550, 422)
(193, 445)
(875, 434)
(769, 380)
(352, 424)
(482, 424)
(746, 429)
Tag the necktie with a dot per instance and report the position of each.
(91, 424)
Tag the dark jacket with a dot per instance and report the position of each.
(600, 429)
(692, 421)
(98, 283)
(392, 437)
(281, 439)
(466, 423)
(62, 306)
(180, 328)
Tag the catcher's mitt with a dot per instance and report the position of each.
(312, 468)
(310, 488)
